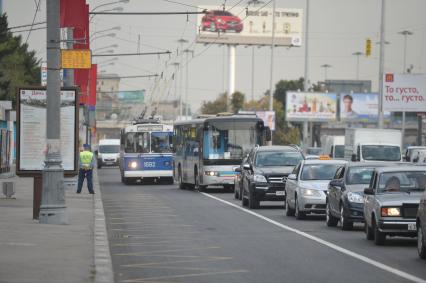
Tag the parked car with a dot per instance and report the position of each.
(219, 20)
(392, 200)
(265, 174)
(345, 197)
(306, 186)
(421, 227)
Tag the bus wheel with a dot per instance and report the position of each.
(170, 181)
(181, 184)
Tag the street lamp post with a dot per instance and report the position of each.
(357, 54)
(405, 33)
(53, 209)
(107, 4)
(381, 61)
(105, 47)
(187, 51)
(103, 35)
(325, 66)
(181, 43)
(176, 64)
(105, 30)
(271, 76)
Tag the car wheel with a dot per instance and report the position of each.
(330, 220)
(288, 210)
(379, 237)
(253, 201)
(236, 194)
(346, 224)
(421, 247)
(181, 184)
(99, 166)
(300, 215)
(244, 201)
(368, 232)
(240, 194)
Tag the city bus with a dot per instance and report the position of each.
(146, 152)
(207, 150)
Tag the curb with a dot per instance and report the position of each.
(103, 264)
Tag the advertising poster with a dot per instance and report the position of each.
(311, 106)
(404, 92)
(32, 129)
(249, 25)
(136, 96)
(361, 107)
(268, 118)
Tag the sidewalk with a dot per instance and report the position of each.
(33, 252)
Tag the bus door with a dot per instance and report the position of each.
(190, 158)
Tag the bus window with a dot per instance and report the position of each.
(160, 142)
(136, 143)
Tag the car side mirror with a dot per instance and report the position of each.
(292, 177)
(237, 169)
(336, 183)
(368, 191)
(247, 166)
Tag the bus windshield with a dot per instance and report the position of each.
(229, 140)
(136, 143)
(161, 142)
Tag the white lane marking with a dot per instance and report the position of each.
(326, 243)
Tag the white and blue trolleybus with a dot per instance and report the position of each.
(208, 150)
(146, 152)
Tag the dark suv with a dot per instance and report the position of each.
(265, 172)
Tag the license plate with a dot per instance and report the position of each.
(280, 193)
(412, 227)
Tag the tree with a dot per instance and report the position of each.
(237, 101)
(283, 86)
(217, 106)
(18, 66)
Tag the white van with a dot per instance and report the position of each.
(108, 153)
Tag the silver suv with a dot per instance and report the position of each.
(392, 200)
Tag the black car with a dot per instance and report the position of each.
(345, 196)
(265, 173)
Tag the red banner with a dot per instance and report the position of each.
(91, 100)
(73, 13)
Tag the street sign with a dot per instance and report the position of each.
(368, 47)
(76, 59)
(43, 73)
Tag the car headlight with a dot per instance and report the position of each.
(259, 178)
(211, 173)
(310, 193)
(133, 164)
(220, 20)
(356, 198)
(391, 211)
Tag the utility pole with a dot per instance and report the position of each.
(405, 33)
(252, 73)
(181, 42)
(187, 51)
(231, 73)
(382, 61)
(271, 78)
(306, 80)
(325, 66)
(53, 209)
(357, 54)
(176, 64)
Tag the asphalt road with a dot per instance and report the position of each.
(159, 233)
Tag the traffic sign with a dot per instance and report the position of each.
(368, 47)
(76, 59)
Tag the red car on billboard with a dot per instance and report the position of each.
(223, 21)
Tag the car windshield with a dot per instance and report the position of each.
(319, 171)
(222, 13)
(381, 152)
(339, 151)
(314, 151)
(359, 175)
(277, 158)
(109, 149)
(161, 142)
(404, 181)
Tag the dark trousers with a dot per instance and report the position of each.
(88, 174)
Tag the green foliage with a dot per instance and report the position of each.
(237, 101)
(283, 86)
(18, 66)
(216, 106)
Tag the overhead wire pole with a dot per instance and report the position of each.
(187, 51)
(357, 54)
(381, 62)
(53, 209)
(405, 33)
(181, 42)
(176, 64)
(306, 75)
(271, 78)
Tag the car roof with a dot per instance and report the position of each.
(330, 161)
(276, 148)
(401, 168)
(375, 164)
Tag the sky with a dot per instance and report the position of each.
(337, 29)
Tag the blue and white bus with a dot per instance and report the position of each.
(146, 152)
(208, 150)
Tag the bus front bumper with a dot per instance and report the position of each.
(148, 173)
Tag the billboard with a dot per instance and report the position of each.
(404, 92)
(249, 26)
(136, 96)
(31, 130)
(310, 106)
(361, 107)
(268, 118)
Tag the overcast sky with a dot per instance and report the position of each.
(338, 28)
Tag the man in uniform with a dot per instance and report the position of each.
(87, 163)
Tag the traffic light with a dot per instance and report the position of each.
(368, 47)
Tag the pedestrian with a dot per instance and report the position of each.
(87, 163)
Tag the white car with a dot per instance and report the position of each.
(306, 187)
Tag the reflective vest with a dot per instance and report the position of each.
(86, 159)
